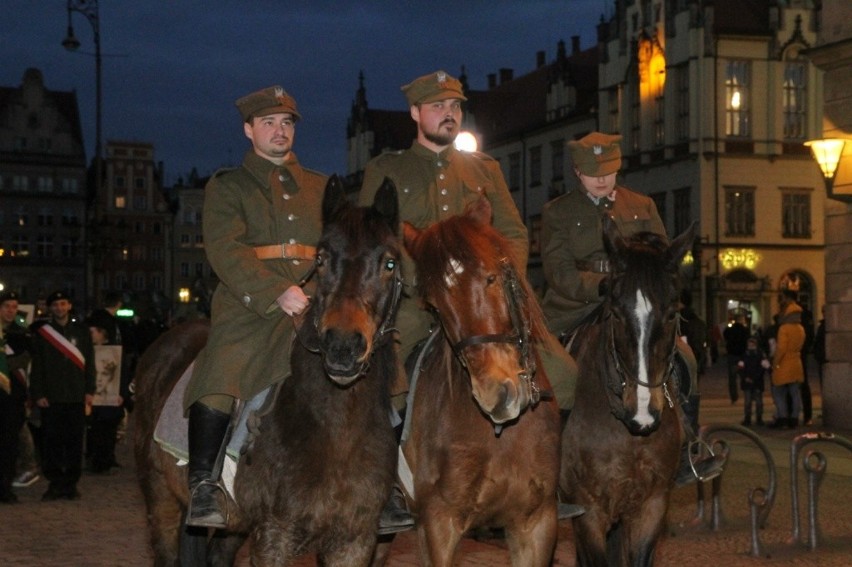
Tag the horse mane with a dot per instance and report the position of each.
(467, 241)
(644, 256)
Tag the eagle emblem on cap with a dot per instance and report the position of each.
(279, 94)
(442, 78)
(597, 149)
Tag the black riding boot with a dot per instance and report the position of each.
(693, 466)
(395, 515)
(207, 428)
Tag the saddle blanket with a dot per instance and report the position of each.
(172, 429)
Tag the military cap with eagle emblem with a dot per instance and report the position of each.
(596, 154)
(271, 100)
(434, 86)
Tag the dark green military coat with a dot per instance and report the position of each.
(431, 188)
(54, 376)
(572, 234)
(256, 204)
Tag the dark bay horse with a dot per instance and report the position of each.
(316, 476)
(621, 444)
(483, 449)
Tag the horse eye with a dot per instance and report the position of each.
(491, 279)
(390, 264)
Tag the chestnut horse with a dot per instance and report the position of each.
(316, 476)
(483, 447)
(621, 444)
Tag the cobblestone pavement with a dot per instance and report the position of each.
(107, 526)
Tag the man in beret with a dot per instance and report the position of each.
(576, 264)
(62, 384)
(436, 181)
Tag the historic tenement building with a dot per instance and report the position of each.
(43, 191)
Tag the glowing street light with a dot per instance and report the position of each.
(827, 153)
(466, 142)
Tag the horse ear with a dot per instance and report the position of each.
(333, 199)
(386, 203)
(681, 245)
(480, 210)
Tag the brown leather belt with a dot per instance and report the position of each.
(596, 266)
(285, 251)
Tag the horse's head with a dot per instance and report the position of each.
(358, 282)
(641, 324)
(468, 276)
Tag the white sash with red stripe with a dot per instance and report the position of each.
(63, 345)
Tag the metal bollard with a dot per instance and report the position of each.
(757, 501)
(796, 446)
(814, 463)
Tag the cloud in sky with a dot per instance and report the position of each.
(173, 69)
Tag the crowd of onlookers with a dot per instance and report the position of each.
(65, 390)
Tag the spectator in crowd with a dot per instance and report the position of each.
(107, 408)
(787, 371)
(736, 336)
(62, 384)
(752, 367)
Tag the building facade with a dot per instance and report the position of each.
(44, 192)
(132, 231)
(715, 101)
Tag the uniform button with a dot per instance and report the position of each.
(280, 178)
(445, 208)
(292, 241)
(479, 189)
(286, 196)
(441, 176)
(405, 190)
(443, 191)
(635, 217)
(291, 217)
(440, 163)
(246, 299)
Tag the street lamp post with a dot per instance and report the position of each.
(89, 8)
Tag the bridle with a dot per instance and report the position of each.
(521, 336)
(383, 331)
(617, 381)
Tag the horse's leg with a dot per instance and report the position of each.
(643, 530)
(272, 544)
(223, 549)
(165, 513)
(437, 538)
(356, 552)
(590, 539)
(533, 540)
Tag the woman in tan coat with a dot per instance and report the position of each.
(787, 370)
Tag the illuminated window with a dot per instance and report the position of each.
(120, 202)
(737, 116)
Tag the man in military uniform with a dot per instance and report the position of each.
(435, 181)
(576, 264)
(261, 222)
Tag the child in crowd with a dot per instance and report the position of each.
(751, 367)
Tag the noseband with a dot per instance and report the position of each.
(618, 380)
(386, 327)
(520, 337)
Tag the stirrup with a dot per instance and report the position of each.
(214, 518)
(713, 472)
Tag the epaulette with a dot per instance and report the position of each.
(481, 155)
(222, 171)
